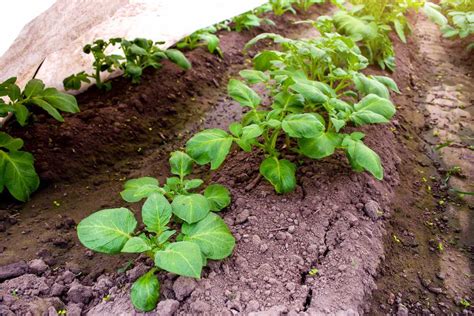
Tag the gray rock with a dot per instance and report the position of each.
(200, 307)
(402, 310)
(37, 266)
(27, 284)
(13, 270)
(183, 287)
(167, 307)
(67, 277)
(242, 216)
(253, 306)
(136, 272)
(57, 289)
(371, 209)
(74, 309)
(52, 311)
(79, 293)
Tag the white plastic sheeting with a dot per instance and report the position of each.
(58, 35)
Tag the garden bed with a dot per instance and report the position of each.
(316, 250)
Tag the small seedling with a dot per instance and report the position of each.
(313, 272)
(181, 231)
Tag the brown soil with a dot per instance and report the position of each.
(322, 225)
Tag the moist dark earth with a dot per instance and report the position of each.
(374, 244)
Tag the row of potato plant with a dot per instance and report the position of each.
(136, 55)
(314, 89)
(181, 230)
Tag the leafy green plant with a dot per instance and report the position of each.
(371, 37)
(306, 4)
(173, 207)
(308, 108)
(17, 172)
(137, 55)
(248, 20)
(204, 37)
(279, 7)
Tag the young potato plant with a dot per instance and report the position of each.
(371, 36)
(249, 20)
(137, 55)
(204, 37)
(279, 7)
(304, 5)
(174, 209)
(17, 172)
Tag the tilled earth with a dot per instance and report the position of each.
(319, 250)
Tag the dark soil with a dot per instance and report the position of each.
(334, 222)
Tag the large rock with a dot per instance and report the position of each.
(13, 270)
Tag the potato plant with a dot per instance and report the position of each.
(137, 55)
(310, 104)
(17, 172)
(249, 20)
(205, 37)
(182, 230)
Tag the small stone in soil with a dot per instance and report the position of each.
(167, 307)
(183, 287)
(371, 209)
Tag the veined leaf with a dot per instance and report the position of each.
(280, 173)
(254, 76)
(212, 235)
(33, 87)
(302, 125)
(137, 189)
(182, 258)
(181, 164)
(320, 146)
(156, 212)
(59, 100)
(190, 208)
(136, 245)
(10, 143)
(178, 58)
(17, 172)
(372, 109)
(362, 156)
(107, 230)
(218, 196)
(366, 86)
(241, 93)
(211, 145)
(309, 92)
(145, 292)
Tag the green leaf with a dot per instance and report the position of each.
(17, 173)
(192, 184)
(368, 86)
(362, 156)
(388, 82)
(156, 212)
(280, 173)
(302, 125)
(285, 101)
(236, 129)
(48, 108)
(320, 146)
(33, 88)
(218, 196)
(10, 143)
(432, 11)
(190, 208)
(145, 292)
(136, 245)
(242, 93)
(182, 258)
(181, 164)
(251, 131)
(164, 236)
(400, 30)
(107, 230)
(137, 189)
(309, 92)
(212, 235)
(254, 76)
(61, 101)
(263, 60)
(373, 109)
(211, 145)
(178, 58)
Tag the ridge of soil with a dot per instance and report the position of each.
(334, 222)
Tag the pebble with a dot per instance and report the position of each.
(280, 236)
(291, 229)
(37, 266)
(371, 209)
(242, 216)
(183, 287)
(167, 307)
